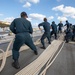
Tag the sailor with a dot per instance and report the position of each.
(60, 27)
(46, 26)
(69, 34)
(54, 29)
(73, 37)
(67, 24)
(22, 29)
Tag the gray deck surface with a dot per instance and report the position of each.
(63, 65)
(65, 62)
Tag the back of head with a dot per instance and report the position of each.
(45, 19)
(66, 20)
(53, 22)
(23, 14)
(60, 21)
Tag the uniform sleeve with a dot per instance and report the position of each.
(13, 28)
(41, 24)
(30, 29)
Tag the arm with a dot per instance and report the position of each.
(41, 24)
(30, 29)
(12, 27)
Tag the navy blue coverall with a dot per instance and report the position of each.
(22, 29)
(46, 26)
(60, 27)
(69, 35)
(54, 30)
(68, 25)
(73, 33)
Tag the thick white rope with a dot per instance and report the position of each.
(48, 65)
(4, 56)
(34, 67)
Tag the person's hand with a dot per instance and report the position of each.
(40, 29)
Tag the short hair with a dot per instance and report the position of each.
(66, 20)
(23, 14)
(53, 22)
(45, 19)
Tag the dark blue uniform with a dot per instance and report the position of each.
(22, 28)
(68, 36)
(73, 33)
(54, 30)
(46, 27)
(68, 25)
(60, 27)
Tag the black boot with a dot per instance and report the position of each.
(16, 65)
(35, 52)
(49, 42)
(43, 47)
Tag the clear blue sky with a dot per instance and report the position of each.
(54, 10)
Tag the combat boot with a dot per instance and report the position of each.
(16, 65)
(35, 52)
(43, 47)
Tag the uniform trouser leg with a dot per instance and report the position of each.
(48, 37)
(55, 35)
(51, 34)
(67, 39)
(30, 43)
(42, 39)
(73, 36)
(16, 46)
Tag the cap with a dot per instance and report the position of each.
(23, 14)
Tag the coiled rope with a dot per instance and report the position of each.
(4, 54)
(35, 67)
(49, 63)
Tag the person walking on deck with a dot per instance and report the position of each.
(22, 29)
(68, 25)
(54, 29)
(46, 26)
(60, 25)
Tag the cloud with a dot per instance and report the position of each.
(1, 14)
(22, 1)
(33, 1)
(50, 18)
(73, 16)
(37, 16)
(30, 19)
(58, 8)
(8, 19)
(67, 11)
(27, 5)
(62, 18)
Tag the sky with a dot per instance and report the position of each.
(53, 10)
